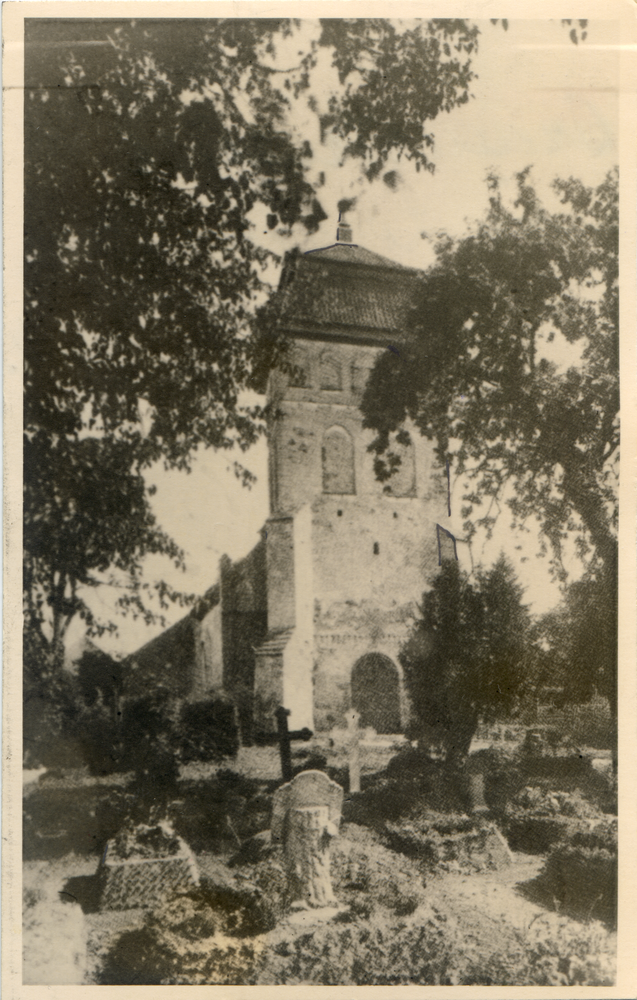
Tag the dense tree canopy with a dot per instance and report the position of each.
(476, 374)
(149, 147)
(468, 656)
(477, 377)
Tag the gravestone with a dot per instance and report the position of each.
(305, 817)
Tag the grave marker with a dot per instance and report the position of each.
(305, 817)
(284, 737)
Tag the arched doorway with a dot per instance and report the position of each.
(375, 693)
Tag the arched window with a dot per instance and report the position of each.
(338, 461)
(403, 480)
(330, 372)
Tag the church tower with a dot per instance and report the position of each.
(347, 556)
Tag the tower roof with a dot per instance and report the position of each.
(352, 253)
(345, 292)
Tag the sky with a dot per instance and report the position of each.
(539, 100)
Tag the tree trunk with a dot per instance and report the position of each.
(458, 742)
(307, 856)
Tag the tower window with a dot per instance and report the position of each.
(376, 548)
(338, 461)
(339, 513)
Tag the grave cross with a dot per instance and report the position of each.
(284, 737)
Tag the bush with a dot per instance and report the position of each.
(442, 841)
(79, 819)
(199, 937)
(410, 781)
(150, 749)
(208, 730)
(553, 951)
(99, 740)
(581, 876)
(537, 819)
(50, 707)
(364, 953)
(223, 799)
(365, 873)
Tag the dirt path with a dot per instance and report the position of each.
(488, 904)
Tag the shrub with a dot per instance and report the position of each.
(223, 809)
(443, 841)
(537, 819)
(553, 951)
(99, 740)
(467, 658)
(50, 707)
(366, 873)
(149, 748)
(411, 780)
(581, 876)
(208, 730)
(196, 938)
(364, 953)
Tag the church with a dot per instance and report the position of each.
(313, 618)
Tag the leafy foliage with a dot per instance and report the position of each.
(208, 730)
(552, 951)
(467, 658)
(483, 386)
(151, 147)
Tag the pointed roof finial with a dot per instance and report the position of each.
(344, 230)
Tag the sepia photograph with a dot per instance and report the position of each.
(320, 468)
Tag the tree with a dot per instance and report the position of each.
(149, 149)
(468, 655)
(518, 428)
(580, 642)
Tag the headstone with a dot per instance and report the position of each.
(354, 751)
(305, 817)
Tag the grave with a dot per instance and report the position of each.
(143, 864)
(306, 815)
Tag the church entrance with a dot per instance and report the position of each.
(375, 693)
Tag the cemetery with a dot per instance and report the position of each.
(340, 750)
(348, 858)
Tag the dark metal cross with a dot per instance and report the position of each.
(285, 737)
